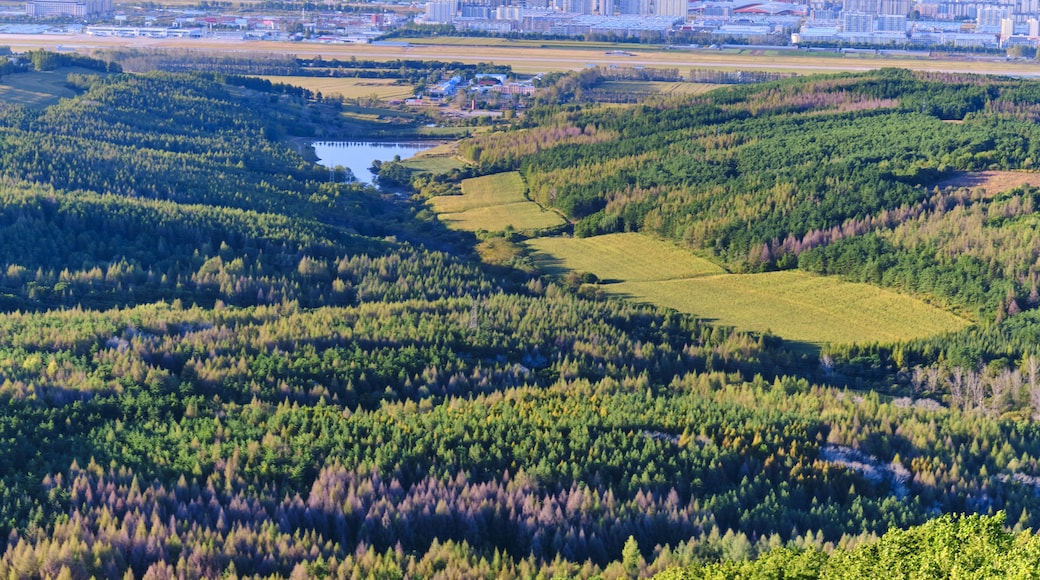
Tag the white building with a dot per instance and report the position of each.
(857, 22)
(441, 11)
(74, 8)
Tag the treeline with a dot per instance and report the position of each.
(44, 60)
(269, 64)
(141, 60)
(740, 77)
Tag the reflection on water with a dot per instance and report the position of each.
(359, 155)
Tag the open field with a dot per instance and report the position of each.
(492, 203)
(38, 89)
(433, 163)
(993, 182)
(664, 88)
(350, 88)
(487, 191)
(631, 257)
(798, 306)
(794, 305)
(522, 216)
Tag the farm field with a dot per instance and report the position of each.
(350, 88)
(794, 305)
(493, 202)
(628, 256)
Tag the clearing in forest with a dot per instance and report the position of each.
(794, 305)
(663, 88)
(39, 89)
(348, 87)
(993, 182)
(620, 257)
(492, 203)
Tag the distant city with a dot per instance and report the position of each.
(965, 25)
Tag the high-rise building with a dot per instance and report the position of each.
(990, 17)
(1007, 29)
(441, 11)
(74, 8)
(861, 6)
(894, 7)
(891, 23)
(1034, 27)
(857, 22)
(627, 6)
(674, 8)
(578, 6)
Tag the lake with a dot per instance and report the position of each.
(358, 155)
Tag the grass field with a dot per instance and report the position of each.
(433, 163)
(523, 216)
(663, 88)
(794, 305)
(799, 306)
(628, 256)
(38, 89)
(350, 88)
(481, 192)
(492, 203)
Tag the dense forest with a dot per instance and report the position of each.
(213, 361)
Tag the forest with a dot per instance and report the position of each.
(215, 362)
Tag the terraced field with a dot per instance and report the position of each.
(794, 305)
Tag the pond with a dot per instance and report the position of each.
(359, 155)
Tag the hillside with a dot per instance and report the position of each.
(214, 362)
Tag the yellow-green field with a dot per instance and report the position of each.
(522, 216)
(486, 191)
(350, 88)
(663, 88)
(492, 203)
(628, 256)
(794, 305)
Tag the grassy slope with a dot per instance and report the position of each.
(627, 256)
(492, 203)
(38, 89)
(794, 305)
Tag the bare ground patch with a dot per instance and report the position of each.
(992, 181)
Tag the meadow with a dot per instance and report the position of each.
(439, 159)
(794, 305)
(628, 256)
(493, 203)
(798, 306)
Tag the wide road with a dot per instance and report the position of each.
(531, 59)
